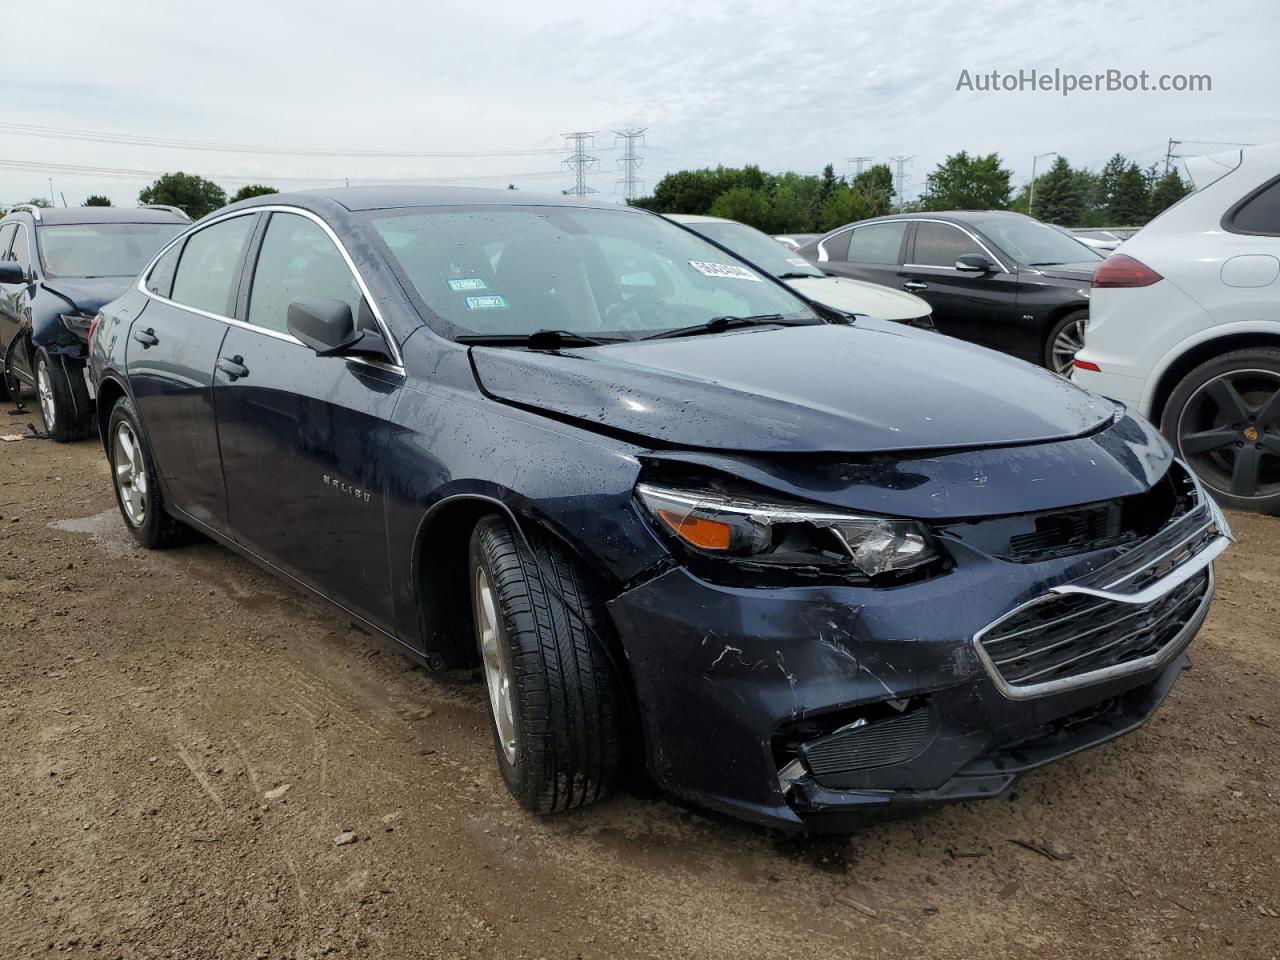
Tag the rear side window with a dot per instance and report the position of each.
(837, 247)
(206, 273)
(939, 244)
(6, 237)
(160, 280)
(298, 259)
(877, 243)
(1260, 213)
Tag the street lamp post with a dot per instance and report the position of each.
(1031, 200)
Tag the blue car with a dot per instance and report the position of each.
(800, 567)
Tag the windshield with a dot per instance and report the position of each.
(759, 248)
(101, 249)
(1035, 243)
(511, 271)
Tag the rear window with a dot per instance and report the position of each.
(1260, 213)
(101, 249)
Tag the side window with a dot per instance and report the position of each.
(877, 243)
(938, 244)
(206, 273)
(21, 250)
(160, 280)
(837, 247)
(6, 236)
(298, 259)
(1260, 213)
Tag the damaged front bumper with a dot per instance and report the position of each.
(807, 707)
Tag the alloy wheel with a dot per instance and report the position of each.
(44, 389)
(491, 636)
(130, 474)
(1229, 431)
(1068, 342)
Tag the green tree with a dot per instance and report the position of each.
(790, 211)
(186, 191)
(1169, 190)
(252, 190)
(1058, 196)
(845, 205)
(40, 202)
(876, 184)
(1130, 202)
(747, 205)
(96, 200)
(962, 182)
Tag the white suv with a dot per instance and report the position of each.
(1184, 326)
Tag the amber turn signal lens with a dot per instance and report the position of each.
(703, 534)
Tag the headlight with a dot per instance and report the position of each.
(716, 525)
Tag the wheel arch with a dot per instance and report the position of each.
(110, 389)
(1057, 313)
(1189, 356)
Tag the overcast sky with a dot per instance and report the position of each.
(786, 85)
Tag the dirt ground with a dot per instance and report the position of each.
(184, 738)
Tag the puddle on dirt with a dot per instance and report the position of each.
(108, 532)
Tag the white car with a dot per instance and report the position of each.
(1184, 326)
(851, 296)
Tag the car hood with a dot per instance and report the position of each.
(89, 294)
(1070, 271)
(870, 387)
(858, 296)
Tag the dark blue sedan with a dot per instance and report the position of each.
(801, 567)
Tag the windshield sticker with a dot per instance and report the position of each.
(466, 283)
(493, 302)
(797, 262)
(727, 271)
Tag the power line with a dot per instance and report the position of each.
(579, 162)
(139, 140)
(630, 162)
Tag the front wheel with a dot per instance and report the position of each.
(1223, 418)
(65, 406)
(1065, 340)
(553, 695)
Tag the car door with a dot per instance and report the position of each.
(975, 306)
(15, 308)
(304, 438)
(10, 293)
(873, 252)
(170, 356)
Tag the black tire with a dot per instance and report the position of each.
(156, 529)
(1052, 358)
(1223, 419)
(567, 701)
(66, 409)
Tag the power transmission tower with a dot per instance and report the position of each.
(630, 162)
(858, 163)
(1169, 154)
(901, 178)
(579, 162)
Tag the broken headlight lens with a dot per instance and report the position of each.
(716, 525)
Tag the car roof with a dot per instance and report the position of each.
(696, 218)
(390, 197)
(56, 216)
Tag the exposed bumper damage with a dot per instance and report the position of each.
(807, 706)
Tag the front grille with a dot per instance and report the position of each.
(1068, 635)
(878, 744)
(1120, 617)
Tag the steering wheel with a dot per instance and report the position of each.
(637, 312)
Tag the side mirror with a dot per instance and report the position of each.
(327, 328)
(11, 272)
(974, 263)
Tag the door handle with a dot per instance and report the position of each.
(233, 368)
(146, 337)
(915, 285)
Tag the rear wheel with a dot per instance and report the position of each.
(553, 696)
(65, 406)
(1065, 340)
(134, 476)
(1223, 418)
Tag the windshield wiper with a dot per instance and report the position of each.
(538, 340)
(716, 324)
(793, 275)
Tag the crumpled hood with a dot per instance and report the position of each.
(873, 386)
(858, 296)
(89, 294)
(1071, 271)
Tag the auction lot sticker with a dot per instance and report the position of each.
(493, 302)
(728, 271)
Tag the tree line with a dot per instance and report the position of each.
(192, 194)
(1120, 194)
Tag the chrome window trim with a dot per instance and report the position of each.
(29, 235)
(968, 233)
(824, 257)
(141, 285)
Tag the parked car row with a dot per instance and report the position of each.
(676, 509)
